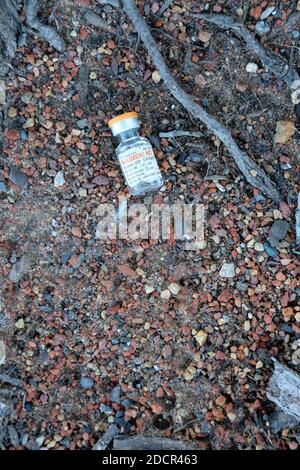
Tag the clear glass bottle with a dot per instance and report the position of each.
(135, 155)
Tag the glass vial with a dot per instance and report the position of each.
(135, 155)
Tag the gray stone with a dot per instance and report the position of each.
(81, 123)
(26, 97)
(267, 12)
(20, 268)
(277, 232)
(86, 382)
(127, 403)
(196, 157)
(241, 286)
(295, 34)
(227, 270)
(4, 410)
(3, 188)
(5, 323)
(270, 250)
(2, 352)
(39, 440)
(17, 177)
(262, 28)
(115, 394)
(105, 409)
(265, 76)
(66, 256)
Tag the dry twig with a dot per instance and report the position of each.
(180, 133)
(253, 174)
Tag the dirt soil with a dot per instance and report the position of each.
(89, 345)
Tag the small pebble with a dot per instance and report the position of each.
(258, 246)
(59, 179)
(251, 67)
(174, 288)
(156, 76)
(115, 394)
(3, 188)
(17, 177)
(23, 135)
(262, 28)
(86, 382)
(65, 257)
(272, 252)
(201, 337)
(227, 270)
(105, 409)
(165, 294)
(267, 12)
(149, 289)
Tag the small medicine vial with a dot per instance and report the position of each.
(135, 155)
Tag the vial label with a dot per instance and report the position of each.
(139, 165)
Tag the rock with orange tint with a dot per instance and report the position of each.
(284, 131)
(288, 312)
(156, 408)
(77, 232)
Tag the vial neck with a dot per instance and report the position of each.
(127, 135)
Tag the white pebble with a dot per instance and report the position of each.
(59, 179)
(227, 270)
(251, 67)
(174, 288)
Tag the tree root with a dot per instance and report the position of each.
(278, 66)
(47, 32)
(10, 26)
(253, 174)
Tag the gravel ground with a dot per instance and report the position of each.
(144, 334)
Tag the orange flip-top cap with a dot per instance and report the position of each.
(121, 117)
